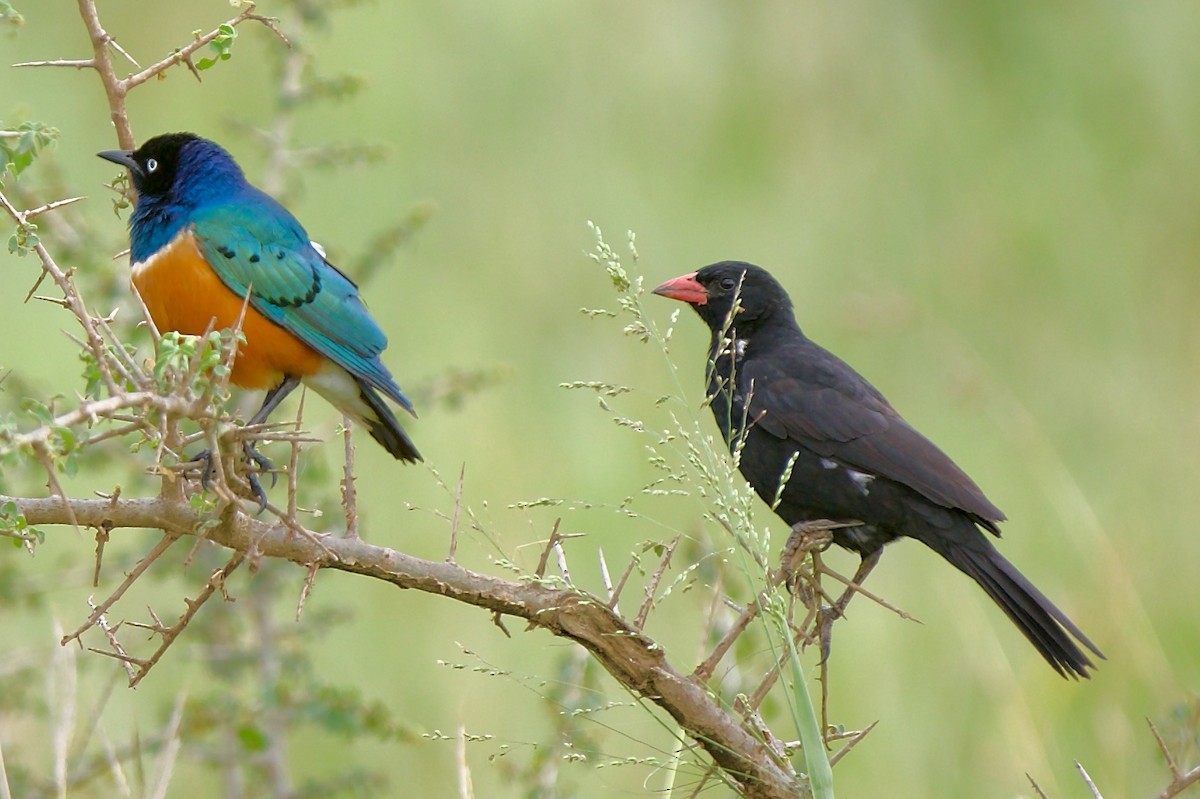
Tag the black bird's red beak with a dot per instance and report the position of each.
(684, 288)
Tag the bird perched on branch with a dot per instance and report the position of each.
(795, 410)
(205, 244)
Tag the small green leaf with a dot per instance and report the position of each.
(20, 146)
(10, 18)
(222, 45)
(24, 239)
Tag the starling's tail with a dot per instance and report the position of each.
(385, 429)
(1046, 627)
(353, 396)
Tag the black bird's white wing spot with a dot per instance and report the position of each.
(862, 480)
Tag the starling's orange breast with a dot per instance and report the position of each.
(184, 294)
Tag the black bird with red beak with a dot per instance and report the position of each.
(785, 398)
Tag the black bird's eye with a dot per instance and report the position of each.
(728, 283)
(151, 165)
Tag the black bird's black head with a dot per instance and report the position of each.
(714, 290)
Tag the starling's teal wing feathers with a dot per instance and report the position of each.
(255, 245)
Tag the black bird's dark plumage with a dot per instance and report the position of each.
(781, 396)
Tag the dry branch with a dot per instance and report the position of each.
(116, 88)
(634, 660)
(1180, 780)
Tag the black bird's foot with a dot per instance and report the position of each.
(257, 464)
(806, 537)
(825, 619)
(828, 615)
(810, 538)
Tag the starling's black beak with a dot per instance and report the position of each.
(122, 157)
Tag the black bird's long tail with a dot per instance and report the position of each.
(385, 429)
(1046, 627)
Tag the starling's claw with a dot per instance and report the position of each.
(262, 462)
(256, 490)
(206, 471)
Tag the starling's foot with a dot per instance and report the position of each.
(257, 463)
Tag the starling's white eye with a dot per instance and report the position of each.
(151, 165)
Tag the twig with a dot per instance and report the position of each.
(1181, 783)
(293, 488)
(124, 363)
(99, 610)
(70, 295)
(797, 548)
(616, 593)
(858, 589)
(216, 582)
(652, 586)
(41, 209)
(102, 531)
(708, 774)
(560, 556)
(58, 62)
(114, 87)
(310, 577)
(607, 579)
(540, 571)
(458, 498)
(184, 54)
(42, 454)
(1036, 787)
(1087, 780)
(1180, 780)
(92, 410)
(853, 742)
(110, 633)
(709, 664)
(349, 494)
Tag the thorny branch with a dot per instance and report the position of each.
(1180, 780)
(629, 656)
(116, 88)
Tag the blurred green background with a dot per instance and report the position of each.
(989, 209)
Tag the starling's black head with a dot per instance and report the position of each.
(179, 162)
(153, 165)
(173, 175)
(714, 290)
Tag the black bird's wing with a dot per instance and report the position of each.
(801, 391)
